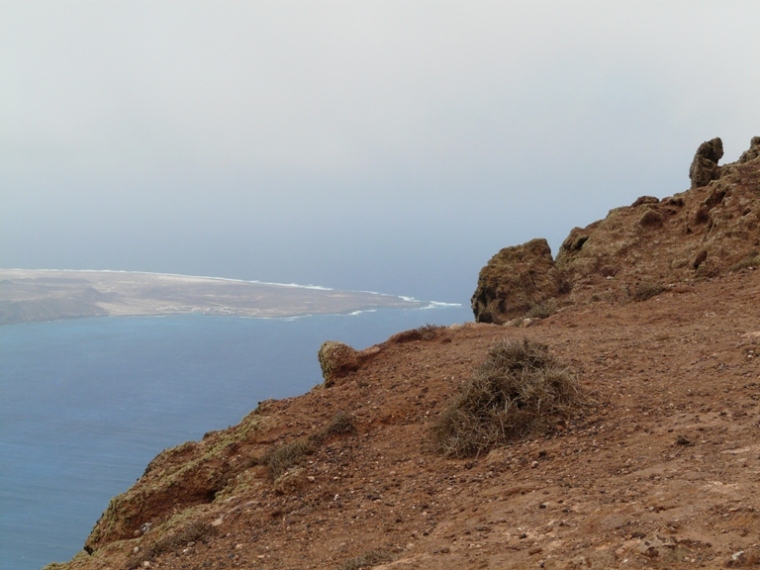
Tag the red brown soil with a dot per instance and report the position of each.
(662, 471)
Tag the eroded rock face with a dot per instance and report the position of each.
(704, 167)
(514, 280)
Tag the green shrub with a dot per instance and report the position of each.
(519, 389)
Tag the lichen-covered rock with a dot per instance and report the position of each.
(704, 167)
(515, 280)
(337, 360)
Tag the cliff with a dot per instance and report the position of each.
(651, 463)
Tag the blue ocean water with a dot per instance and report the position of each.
(85, 404)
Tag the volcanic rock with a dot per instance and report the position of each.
(515, 280)
(336, 360)
(704, 167)
(752, 152)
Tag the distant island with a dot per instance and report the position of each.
(28, 295)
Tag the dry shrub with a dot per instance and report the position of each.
(280, 459)
(341, 424)
(367, 560)
(752, 260)
(428, 331)
(195, 531)
(646, 291)
(519, 389)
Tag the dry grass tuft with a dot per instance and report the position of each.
(280, 459)
(519, 389)
(646, 291)
(341, 424)
(428, 331)
(195, 531)
(752, 260)
(367, 560)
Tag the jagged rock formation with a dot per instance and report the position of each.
(514, 280)
(752, 152)
(696, 234)
(704, 167)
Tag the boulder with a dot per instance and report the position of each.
(704, 167)
(515, 280)
(337, 360)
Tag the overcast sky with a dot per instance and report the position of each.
(390, 146)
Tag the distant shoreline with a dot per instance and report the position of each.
(33, 295)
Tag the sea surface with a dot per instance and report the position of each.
(85, 404)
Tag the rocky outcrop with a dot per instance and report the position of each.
(515, 280)
(338, 360)
(752, 152)
(704, 167)
(712, 228)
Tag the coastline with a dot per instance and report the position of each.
(33, 295)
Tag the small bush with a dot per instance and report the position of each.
(367, 560)
(341, 424)
(646, 291)
(280, 459)
(283, 457)
(428, 332)
(519, 389)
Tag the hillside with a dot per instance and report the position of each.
(658, 467)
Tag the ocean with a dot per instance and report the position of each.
(85, 404)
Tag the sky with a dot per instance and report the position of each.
(384, 146)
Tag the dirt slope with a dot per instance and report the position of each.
(662, 472)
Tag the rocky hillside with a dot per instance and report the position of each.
(653, 462)
(638, 249)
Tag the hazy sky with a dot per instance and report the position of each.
(390, 146)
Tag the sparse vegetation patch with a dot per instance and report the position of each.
(519, 389)
(193, 532)
(280, 459)
(752, 260)
(367, 560)
(647, 290)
